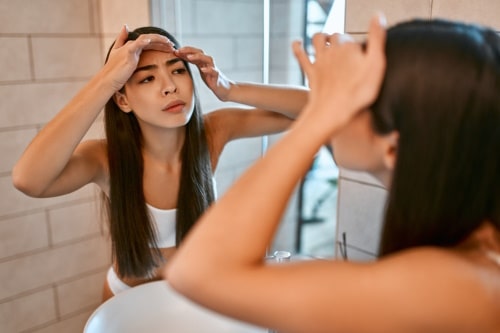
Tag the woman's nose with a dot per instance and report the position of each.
(168, 86)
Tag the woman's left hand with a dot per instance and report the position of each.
(211, 75)
(344, 78)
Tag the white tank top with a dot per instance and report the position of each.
(164, 221)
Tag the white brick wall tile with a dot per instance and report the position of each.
(23, 234)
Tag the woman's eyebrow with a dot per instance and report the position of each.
(144, 68)
(173, 61)
(169, 62)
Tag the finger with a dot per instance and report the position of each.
(376, 35)
(321, 40)
(159, 46)
(376, 43)
(205, 63)
(301, 56)
(156, 42)
(121, 38)
(189, 53)
(189, 49)
(338, 39)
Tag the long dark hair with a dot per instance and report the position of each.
(133, 235)
(442, 94)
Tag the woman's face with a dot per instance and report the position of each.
(358, 147)
(160, 92)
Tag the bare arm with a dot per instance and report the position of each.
(52, 165)
(286, 99)
(228, 274)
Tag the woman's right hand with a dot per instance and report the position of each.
(124, 55)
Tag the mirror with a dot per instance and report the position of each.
(255, 46)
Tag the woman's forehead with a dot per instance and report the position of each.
(148, 56)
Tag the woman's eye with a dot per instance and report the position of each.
(179, 70)
(147, 79)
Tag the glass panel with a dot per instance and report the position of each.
(245, 48)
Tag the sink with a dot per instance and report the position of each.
(155, 307)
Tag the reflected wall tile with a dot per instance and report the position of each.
(14, 59)
(56, 58)
(359, 12)
(222, 49)
(22, 103)
(74, 221)
(12, 145)
(281, 54)
(106, 43)
(52, 266)
(114, 14)
(287, 76)
(360, 212)
(225, 177)
(478, 11)
(287, 17)
(248, 52)
(284, 238)
(80, 294)
(356, 254)
(59, 16)
(23, 234)
(236, 18)
(361, 177)
(246, 75)
(96, 131)
(68, 324)
(240, 151)
(28, 311)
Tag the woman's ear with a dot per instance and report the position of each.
(122, 101)
(391, 150)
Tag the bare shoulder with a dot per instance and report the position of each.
(418, 290)
(439, 285)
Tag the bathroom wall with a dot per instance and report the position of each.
(361, 198)
(54, 252)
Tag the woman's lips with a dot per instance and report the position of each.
(174, 107)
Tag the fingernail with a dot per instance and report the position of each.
(126, 27)
(381, 19)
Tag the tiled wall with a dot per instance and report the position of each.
(53, 254)
(361, 197)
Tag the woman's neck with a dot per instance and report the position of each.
(165, 145)
(484, 240)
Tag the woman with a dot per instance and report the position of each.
(156, 165)
(429, 130)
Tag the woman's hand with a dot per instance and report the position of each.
(211, 75)
(124, 55)
(344, 79)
